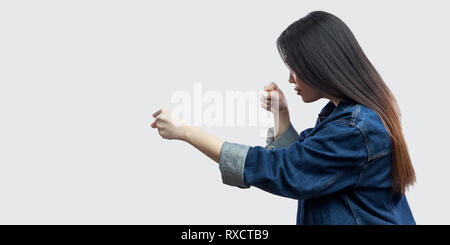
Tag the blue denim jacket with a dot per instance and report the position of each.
(339, 171)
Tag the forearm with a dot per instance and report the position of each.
(282, 122)
(206, 143)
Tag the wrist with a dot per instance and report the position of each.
(187, 133)
(284, 113)
(282, 122)
(282, 116)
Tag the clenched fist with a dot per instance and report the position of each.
(169, 125)
(274, 99)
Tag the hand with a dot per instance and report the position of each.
(274, 100)
(169, 125)
(276, 103)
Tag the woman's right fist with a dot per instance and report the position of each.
(272, 99)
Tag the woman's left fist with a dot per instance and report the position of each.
(169, 125)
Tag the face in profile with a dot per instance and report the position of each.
(307, 93)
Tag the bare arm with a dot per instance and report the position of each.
(171, 126)
(205, 142)
(282, 122)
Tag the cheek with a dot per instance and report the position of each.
(308, 89)
(309, 93)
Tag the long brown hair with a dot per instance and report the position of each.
(324, 53)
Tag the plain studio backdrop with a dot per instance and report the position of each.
(81, 79)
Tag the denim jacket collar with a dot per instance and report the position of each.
(330, 107)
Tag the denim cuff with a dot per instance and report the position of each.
(232, 163)
(270, 136)
(286, 139)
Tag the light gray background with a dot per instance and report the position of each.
(79, 81)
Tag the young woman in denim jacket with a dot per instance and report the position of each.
(353, 166)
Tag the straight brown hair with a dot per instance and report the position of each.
(323, 52)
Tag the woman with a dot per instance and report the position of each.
(353, 166)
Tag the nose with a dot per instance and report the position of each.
(291, 79)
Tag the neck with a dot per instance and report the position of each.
(335, 101)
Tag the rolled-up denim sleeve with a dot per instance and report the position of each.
(286, 138)
(328, 161)
(231, 164)
(232, 156)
